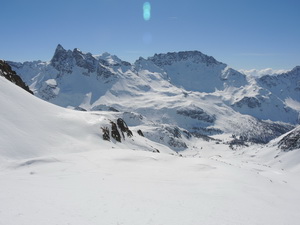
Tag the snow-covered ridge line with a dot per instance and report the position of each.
(262, 72)
(187, 90)
(54, 160)
(31, 127)
(182, 157)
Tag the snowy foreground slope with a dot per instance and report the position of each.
(31, 127)
(56, 169)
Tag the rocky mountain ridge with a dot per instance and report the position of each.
(9, 74)
(176, 94)
(290, 141)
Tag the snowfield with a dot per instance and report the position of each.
(122, 186)
(56, 169)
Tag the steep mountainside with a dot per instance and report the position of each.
(177, 94)
(268, 98)
(285, 86)
(31, 127)
(9, 74)
(272, 97)
(195, 71)
(290, 141)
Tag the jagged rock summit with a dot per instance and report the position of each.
(65, 61)
(196, 71)
(193, 56)
(187, 91)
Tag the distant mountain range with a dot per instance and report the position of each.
(176, 95)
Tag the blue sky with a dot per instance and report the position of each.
(244, 34)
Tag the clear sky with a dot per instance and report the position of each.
(245, 34)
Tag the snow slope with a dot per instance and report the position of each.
(56, 169)
(265, 98)
(82, 78)
(31, 127)
(195, 71)
(165, 90)
(132, 188)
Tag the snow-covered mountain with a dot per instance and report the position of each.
(271, 97)
(195, 71)
(56, 168)
(267, 98)
(31, 127)
(175, 95)
(64, 166)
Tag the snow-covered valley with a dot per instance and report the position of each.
(55, 167)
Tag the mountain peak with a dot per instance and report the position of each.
(61, 58)
(58, 51)
(296, 69)
(77, 50)
(59, 47)
(193, 56)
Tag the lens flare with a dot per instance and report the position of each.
(147, 11)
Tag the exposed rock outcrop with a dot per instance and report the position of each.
(124, 128)
(171, 57)
(116, 131)
(140, 133)
(9, 74)
(291, 141)
(251, 102)
(115, 134)
(65, 60)
(197, 113)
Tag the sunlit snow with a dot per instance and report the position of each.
(56, 169)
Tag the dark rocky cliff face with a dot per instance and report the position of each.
(66, 60)
(9, 74)
(172, 57)
(291, 141)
